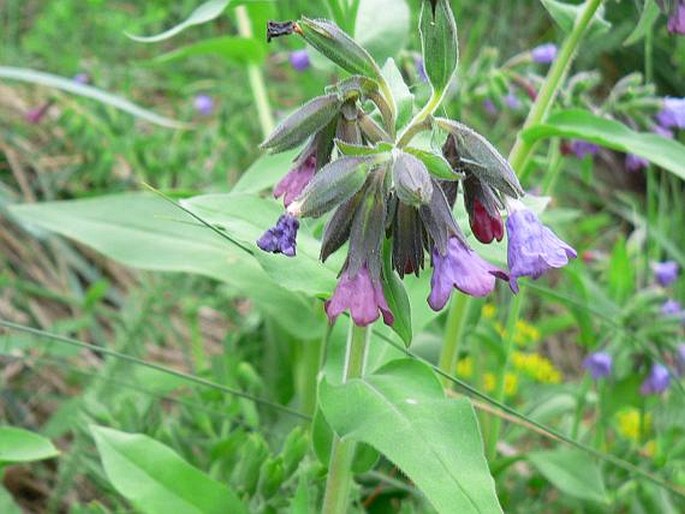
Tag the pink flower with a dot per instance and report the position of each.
(361, 294)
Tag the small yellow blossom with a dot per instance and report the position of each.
(489, 311)
(510, 383)
(628, 421)
(649, 449)
(537, 367)
(526, 334)
(465, 367)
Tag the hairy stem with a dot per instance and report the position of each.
(339, 480)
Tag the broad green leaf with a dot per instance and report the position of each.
(572, 472)
(581, 124)
(566, 15)
(235, 49)
(650, 13)
(439, 45)
(19, 445)
(404, 99)
(7, 504)
(156, 479)
(144, 231)
(401, 411)
(70, 86)
(382, 27)
(265, 172)
(202, 14)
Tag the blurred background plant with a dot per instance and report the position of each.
(598, 349)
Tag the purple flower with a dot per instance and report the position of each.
(294, 182)
(544, 54)
(462, 268)
(583, 148)
(672, 114)
(204, 104)
(676, 22)
(420, 69)
(82, 78)
(672, 308)
(299, 60)
(665, 272)
(599, 364)
(35, 116)
(663, 132)
(281, 238)
(512, 101)
(657, 381)
(533, 248)
(362, 295)
(635, 162)
(489, 106)
(680, 358)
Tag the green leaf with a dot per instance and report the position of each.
(621, 273)
(236, 49)
(7, 504)
(265, 172)
(572, 472)
(566, 15)
(382, 27)
(156, 479)
(351, 150)
(582, 124)
(401, 411)
(19, 445)
(70, 86)
(650, 13)
(436, 164)
(397, 298)
(204, 13)
(404, 99)
(439, 44)
(144, 231)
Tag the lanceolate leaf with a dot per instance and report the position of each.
(19, 445)
(156, 479)
(650, 13)
(581, 124)
(439, 43)
(70, 86)
(401, 411)
(566, 14)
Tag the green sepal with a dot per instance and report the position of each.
(397, 297)
(436, 164)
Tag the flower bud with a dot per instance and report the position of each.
(411, 180)
(271, 475)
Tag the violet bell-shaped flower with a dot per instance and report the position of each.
(635, 163)
(672, 114)
(281, 238)
(544, 54)
(204, 104)
(599, 364)
(676, 21)
(533, 249)
(294, 182)
(361, 294)
(658, 380)
(463, 269)
(299, 60)
(582, 148)
(665, 272)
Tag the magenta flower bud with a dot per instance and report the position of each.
(460, 268)
(362, 295)
(82, 78)
(544, 54)
(35, 116)
(672, 114)
(533, 248)
(657, 381)
(676, 21)
(299, 60)
(282, 237)
(294, 182)
(583, 148)
(204, 104)
(485, 226)
(635, 163)
(665, 272)
(599, 364)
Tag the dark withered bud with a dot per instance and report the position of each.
(482, 207)
(411, 181)
(348, 129)
(359, 87)
(409, 238)
(308, 119)
(438, 220)
(337, 230)
(276, 29)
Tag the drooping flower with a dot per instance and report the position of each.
(294, 182)
(583, 148)
(665, 272)
(489, 106)
(299, 60)
(676, 21)
(281, 238)
(362, 295)
(545, 53)
(204, 104)
(533, 248)
(672, 308)
(635, 162)
(672, 114)
(82, 78)
(657, 381)
(663, 132)
(599, 364)
(512, 101)
(462, 268)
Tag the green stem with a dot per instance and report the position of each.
(255, 76)
(522, 149)
(417, 123)
(307, 369)
(454, 333)
(339, 480)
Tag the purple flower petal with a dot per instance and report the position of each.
(544, 54)
(299, 60)
(583, 148)
(420, 69)
(676, 22)
(665, 272)
(512, 101)
(489, 106)
(294, 182)
(204, 104)
(460, 268)
(672, 308)
(282, 237)
(635, 163)
(658, 380)
(82, 78)
(362, 295)
(533, 248)
(599, 364)
(672, 114)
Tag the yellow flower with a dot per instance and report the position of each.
(525, 333)
(465, 367)
(629, 423)
(510, 383)
(537, 367)
(489, 311)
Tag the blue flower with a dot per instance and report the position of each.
(299, 59)
(545, 53)
(635, 162)
(672, 114)
(204, 104)
(657, 381)
(665, 272)
(512, 100)
(281, 238)
(599, 364)
(533, 248)
(583, 148)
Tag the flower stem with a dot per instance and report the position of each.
(454, 333)
(522, 149)
(255, 76)
(418, 121)
(339, 479)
